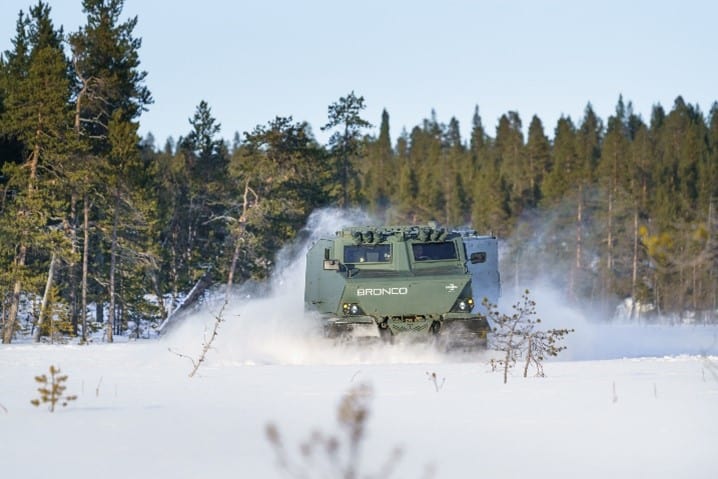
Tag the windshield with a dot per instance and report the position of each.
(434, 251)
(380, 253)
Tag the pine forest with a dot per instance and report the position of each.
(101, 229)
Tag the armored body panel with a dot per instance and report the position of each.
(386, 281)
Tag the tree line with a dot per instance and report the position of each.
(94, 217)
(607, 210)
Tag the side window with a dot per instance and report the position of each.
(478, 257)
(367, 254)
(434, 251)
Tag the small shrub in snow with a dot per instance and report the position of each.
(322, 455)
(509, 333)
(518, 337)
(206, 343)
(52, 389)
(435, 381)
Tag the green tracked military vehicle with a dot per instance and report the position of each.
(415, 281)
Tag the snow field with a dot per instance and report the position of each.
(139, 415)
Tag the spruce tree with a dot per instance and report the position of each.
(131, 214)
(612, 172)
(522, 260)
(588, 149)
(202, 191)
(345, 117)
(455, 163)
(106, 59)
(479, 156)
(538, 157)
(408, 187)
(109, 83)
(491, 210)
(509, 148)
(641, 157)
(379, 169)
(426, 152)
(558, 192)
(36, 115)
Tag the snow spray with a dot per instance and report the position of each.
(266, 323)
(600, 330)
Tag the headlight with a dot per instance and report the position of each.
(351, 309)
(465, 305)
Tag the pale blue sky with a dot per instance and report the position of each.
(252, 61)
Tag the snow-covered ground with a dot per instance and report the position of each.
(138, 415)
(623, 401)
